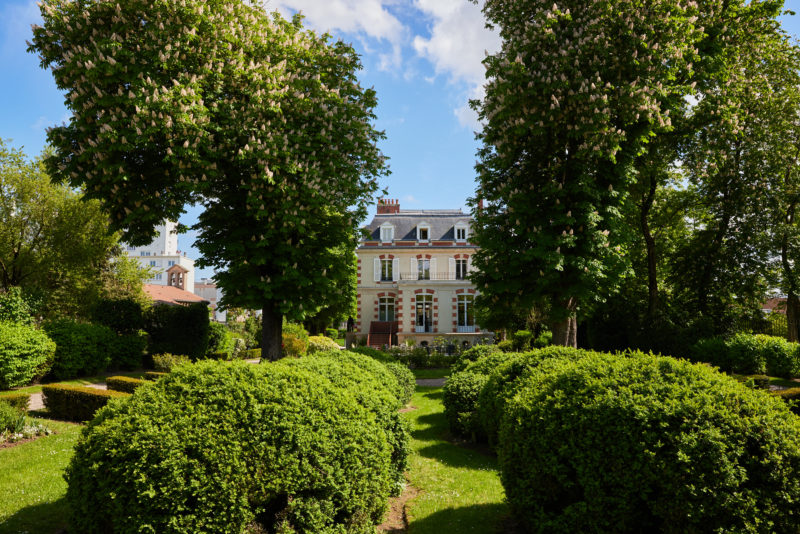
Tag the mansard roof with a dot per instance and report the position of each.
(442, 224)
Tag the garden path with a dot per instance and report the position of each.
(36, 402)
(431, 382)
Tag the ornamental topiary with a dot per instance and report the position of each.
(81, 348)
(648, 444)
(321, 344)
(472, 354)
(231, 447)
(373, 396)
(460, 398)
(25, 353)
(405, 378)
(376, 368)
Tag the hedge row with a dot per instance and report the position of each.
(750, 354)
(635, 443)
(126, 384)
(20, 401)
(76, 403)
(233, 447)
(25, 353)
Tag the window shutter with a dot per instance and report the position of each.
(396, 269)
(452, 268)
(469, 265)
(433, 269)
(413, 266)
(377, 270)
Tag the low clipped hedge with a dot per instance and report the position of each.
(25, 353)
(126, 384)
(791, 396)
(20, 401)
(165, 362)
(750, 354)
(321, 344)
(406, 379)
(372, 395)
(81, 348)
(153, 375)
(232, 447)
(250, 354)
(217, 356)
(76, 403)
(374, 354)
(647, 444)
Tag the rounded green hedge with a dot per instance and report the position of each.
(460, 397)
(372, 395)
(472, 354)
(81, 348)
(321, 344)
(648, 444)
(25, 353)
(231, 447)
(405, 378)
(374, 367)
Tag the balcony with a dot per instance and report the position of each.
(465, 329)
(415, 276)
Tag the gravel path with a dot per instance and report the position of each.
(36, 402)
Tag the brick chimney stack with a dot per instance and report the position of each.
(388, 206)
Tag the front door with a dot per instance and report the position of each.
(424, 313)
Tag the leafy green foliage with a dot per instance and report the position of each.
(406, 380)
(750, 354)
(14, 308)
(76, 403)
(321, 343)
(122, 315)
(25, 353)
(19, 401)
(472, 354)
(220, 339)
(224, 105)
(153, 375)
(647, 444)
(126, 384)
(81, 348)
(460, 399)
(11, 419)
(178, 329)
(272, 448)
(128, 350)
(386, 377)
(167, 362)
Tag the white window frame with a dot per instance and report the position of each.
(423, 226)
(464, 264)
(421, 269)
(387, 233)
(462, 228)
(465, 310)
(384, 305)
(387, 270)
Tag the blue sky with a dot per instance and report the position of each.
(423, 57)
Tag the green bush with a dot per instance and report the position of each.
(81, 348)
(711, 350)
(790, 396)
(460, 397)
(422, 357)
(166, 362)
(521, 340)
(124, 316)
(25, 353)
(375, 354)
(231, 447)
(647, 444)
(14, 307)
(543, 340)
(332, 333)
(153, 375)
(373, 396)
(220, 339)
(750, 354)
(76, 403)
(224, 356)
(11, 419)
(472, 354)
(20, 401)
(506, 345)
(377, 369)
(125, 384)
(178, 329)
(250, 354)
(321, 344)
(744, 355)
(128, 350)
(781, 356)
(405, 378)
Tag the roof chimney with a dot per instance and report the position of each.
(388, 205)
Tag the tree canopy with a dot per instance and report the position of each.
(219, 103)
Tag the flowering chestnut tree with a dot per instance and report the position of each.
(220, 104)
(572, 98)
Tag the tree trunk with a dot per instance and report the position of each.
(792, 313)
(565, 331)
(650, 244)
(271, 332)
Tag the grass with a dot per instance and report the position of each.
(460, 485)
(75, 382)
(773, 380)
(32, 484)
(431, 373)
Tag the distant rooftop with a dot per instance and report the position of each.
(441, 223)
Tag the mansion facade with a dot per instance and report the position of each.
(412, 277)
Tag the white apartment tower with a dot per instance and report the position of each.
(170, 266)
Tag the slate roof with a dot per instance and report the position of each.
(442, 224)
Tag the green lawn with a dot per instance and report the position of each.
(76, 382)
(431, 373)
(31, 482)
(460, 485)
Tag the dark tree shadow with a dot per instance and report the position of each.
(462, 456)
(478, 519)
(44, 518)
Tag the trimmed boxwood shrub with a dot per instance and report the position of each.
(377, 369)
(374, 354)
(124, 316)
(25, 353)
(220, 339)
(218, 356)
(460, 397)
(20, 401)
(781, 356)
(11, 419)
(250, 354)
(472, 354)
(405, 378)
(126, 384)
(166, 362)
(648, 444)
(321, 344)
(81, 348)
(506, 345)
(178, 329)
(76, 403)
(228, 447)
(128, 350)
(750, 354)
(153, 375)
(373, 396)
(791, 396)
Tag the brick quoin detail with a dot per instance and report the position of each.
(386, 256)
(470, 291)
(426, 256)
(431, 291)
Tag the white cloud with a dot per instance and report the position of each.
(411, 199)
(456, 47)
(357, 17)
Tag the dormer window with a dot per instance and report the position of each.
(387, 233)
(423, 232)
(461, 232)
